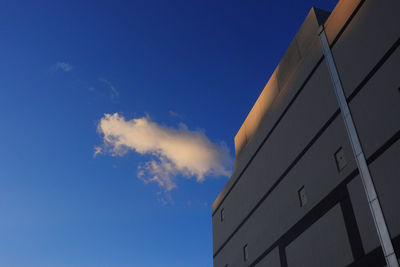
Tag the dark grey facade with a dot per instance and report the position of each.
(296, 197)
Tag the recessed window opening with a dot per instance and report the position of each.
(222, 215)
(302, 196)
(340, 159)
(245, 253)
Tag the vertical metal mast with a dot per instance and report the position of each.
(365, 175)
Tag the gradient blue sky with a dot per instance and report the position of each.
(206, 61)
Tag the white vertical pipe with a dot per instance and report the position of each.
(365, 175)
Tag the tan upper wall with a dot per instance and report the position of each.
(281, 75)
(292, 57)
(338, 18)
(307, 34)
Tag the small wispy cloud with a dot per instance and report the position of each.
(64, 66)
(97, 150)
(175, 151)
(113, 92)
(175, 114)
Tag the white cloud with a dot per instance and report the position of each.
(64, 66)
(176, 151)
(175, 114)
(97, 150)
(113, 92)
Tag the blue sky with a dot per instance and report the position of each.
(188, 68)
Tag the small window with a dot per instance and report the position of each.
(222, 215)
(245, 253)
(302, 196)
(340, 159)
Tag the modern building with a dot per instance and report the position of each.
(317, 172)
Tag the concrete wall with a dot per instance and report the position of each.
(293, 144)
(374, 64)
(297, 50)
(279, 151)
(316, 171)
(309, 249)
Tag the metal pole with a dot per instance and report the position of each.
(365, 175)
